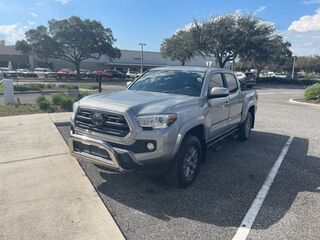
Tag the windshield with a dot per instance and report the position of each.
(171, 81)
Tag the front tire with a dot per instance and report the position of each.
(245, 128)
(186, 163)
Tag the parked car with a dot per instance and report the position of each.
(133, 74)
(7, 73)
(249, 80)
(103, 74)
(240, 75)
(115, 73)
(163, 122)
(26, 73)
(45, 73)
(66, 73)
(85, 73)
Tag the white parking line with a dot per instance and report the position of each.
(245, 227)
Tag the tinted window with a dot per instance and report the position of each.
(171, 81)
(231, 82)
(216, 81)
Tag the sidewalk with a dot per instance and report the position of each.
(44, 194)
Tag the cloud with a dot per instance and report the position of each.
(310, 2)
(303, 43)
(63, 2)
(260, 9)
(13, 32)
(33, 14)
(306, 23)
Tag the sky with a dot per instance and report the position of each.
(150, 21)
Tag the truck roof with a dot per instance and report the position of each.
(190, 68)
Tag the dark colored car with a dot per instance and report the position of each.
(249, 80)
(115, 73)
(103, 74)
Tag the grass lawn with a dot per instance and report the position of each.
(19, 109)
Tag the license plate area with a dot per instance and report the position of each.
(90, 149)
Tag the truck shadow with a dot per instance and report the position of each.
(226, 185)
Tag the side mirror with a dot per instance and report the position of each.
(128, 84)
(218, 92)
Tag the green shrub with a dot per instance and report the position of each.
(83, 94)
(63, 100)
(44, 104)
(277, 80)
(312, 92)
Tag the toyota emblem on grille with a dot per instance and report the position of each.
(97, 119)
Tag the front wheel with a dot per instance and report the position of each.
(245, 128)
(186, 164)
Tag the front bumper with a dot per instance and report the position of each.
(104, 154)
(109, 159)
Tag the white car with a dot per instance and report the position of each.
(45, 73)
(133, 74)
(240, 75)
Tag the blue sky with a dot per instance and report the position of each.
(151, 21)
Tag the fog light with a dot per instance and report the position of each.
(150, 146)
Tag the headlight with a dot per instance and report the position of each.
(156, 121)
(74, 110)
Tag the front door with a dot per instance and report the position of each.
(218, 108)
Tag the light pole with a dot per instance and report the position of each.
(141, 44)
(294, 61)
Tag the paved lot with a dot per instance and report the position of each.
(215, 205)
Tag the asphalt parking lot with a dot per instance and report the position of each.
(216, 204)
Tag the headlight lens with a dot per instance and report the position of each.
(74, 110)
(156, 121)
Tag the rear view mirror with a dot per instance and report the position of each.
(217, 92)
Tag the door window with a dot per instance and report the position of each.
(231, 82)
(216, 81)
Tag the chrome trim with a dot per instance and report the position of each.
(111, 163)
(105, 136)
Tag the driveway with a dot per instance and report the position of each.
(218, 201)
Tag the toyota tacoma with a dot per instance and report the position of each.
(163, 122)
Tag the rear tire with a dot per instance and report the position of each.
(245, 128)
(186, 164)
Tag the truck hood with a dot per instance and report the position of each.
(141, 102)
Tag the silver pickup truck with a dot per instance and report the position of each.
(163, 122)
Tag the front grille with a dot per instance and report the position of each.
(112, 124)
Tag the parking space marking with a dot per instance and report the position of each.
(245, 227)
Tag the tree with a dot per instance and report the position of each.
(72, 40)
(225, 37)
(178, 47)
(267, 51)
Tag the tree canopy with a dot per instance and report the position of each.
(72, 40)
(178, 47)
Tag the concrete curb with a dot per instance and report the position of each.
(296, 101)
(42, 91)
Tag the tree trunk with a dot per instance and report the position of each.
(183, 62)
(77, 65)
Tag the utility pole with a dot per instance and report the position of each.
(141, 44)
(294, 62)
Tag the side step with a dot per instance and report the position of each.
(217, 143)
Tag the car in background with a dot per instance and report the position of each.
(103, 74)
(7, 73)
(115, 73)
(45, 73)
(249, 80)
(26, 73)
(85, 73)
(66, 73)
(132, 74)
(240, 75)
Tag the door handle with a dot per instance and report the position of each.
(226, 104)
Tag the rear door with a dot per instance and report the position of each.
(218, 108)
(235, 99)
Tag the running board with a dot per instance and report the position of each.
(217, 140)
